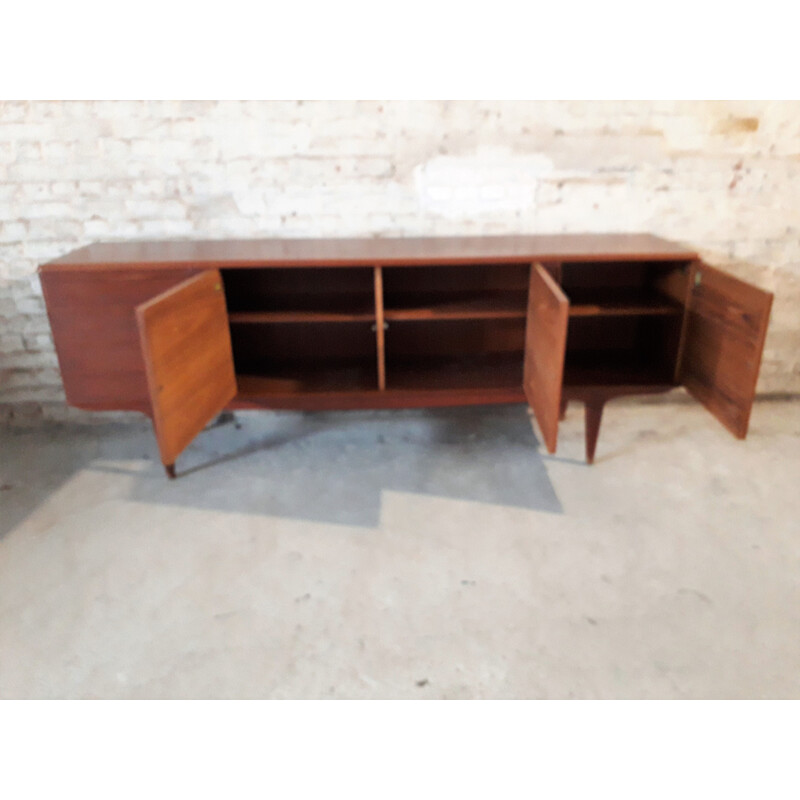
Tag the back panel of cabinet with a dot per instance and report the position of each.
(308, 289)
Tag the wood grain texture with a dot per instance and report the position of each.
(376, 250)
(545, 348)
(507, 305)
(379, 329)
(724, 336)
(93, 320)
(187, 352)
(641, 306)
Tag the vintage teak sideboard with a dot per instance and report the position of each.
(183, 330)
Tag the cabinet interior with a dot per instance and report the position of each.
(446, 326)
(455, 326)
(461, 291)
(625, 321)
(313, 294)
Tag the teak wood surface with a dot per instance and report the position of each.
(371, 251)
(379, 329)
(94, 329)
(545, 347)
(726, 325)
(188, 359)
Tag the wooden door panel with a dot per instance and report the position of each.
(725, 328)
(92, 316)
(545, 347)
(186, 346)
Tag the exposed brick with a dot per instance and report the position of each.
(30, 305)
(40, 341)
(13, 110)
(21, 132)
(24, 361)
(12, 231)
(11, 343)
(51, 210)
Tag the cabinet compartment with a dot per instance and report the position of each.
(455, 354)
(619, 288)
(324, 294)
(622, 350)
(625, 321)
(455, 291)
(307, 357)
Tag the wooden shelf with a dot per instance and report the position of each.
(251, 317)
(491, 306)
(501, 306)
(599, 303)
(623, 310)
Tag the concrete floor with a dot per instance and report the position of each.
(422, 554)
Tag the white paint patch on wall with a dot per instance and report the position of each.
(493, 180)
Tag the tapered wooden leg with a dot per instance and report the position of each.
(594, 413)
(562, 409)
(170, 470)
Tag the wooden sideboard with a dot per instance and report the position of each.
(182, 330)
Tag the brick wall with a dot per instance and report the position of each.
(722, 177)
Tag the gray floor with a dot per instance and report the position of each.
(425, 554)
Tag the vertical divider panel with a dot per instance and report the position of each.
(380, 328)
(677, 285)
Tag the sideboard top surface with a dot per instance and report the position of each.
(289, 252)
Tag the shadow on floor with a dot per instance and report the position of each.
(327, 467)
(333, 467)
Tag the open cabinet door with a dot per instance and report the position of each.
(545, 348)
(726, 324)
(186, 344)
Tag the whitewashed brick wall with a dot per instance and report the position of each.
(723, 177)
